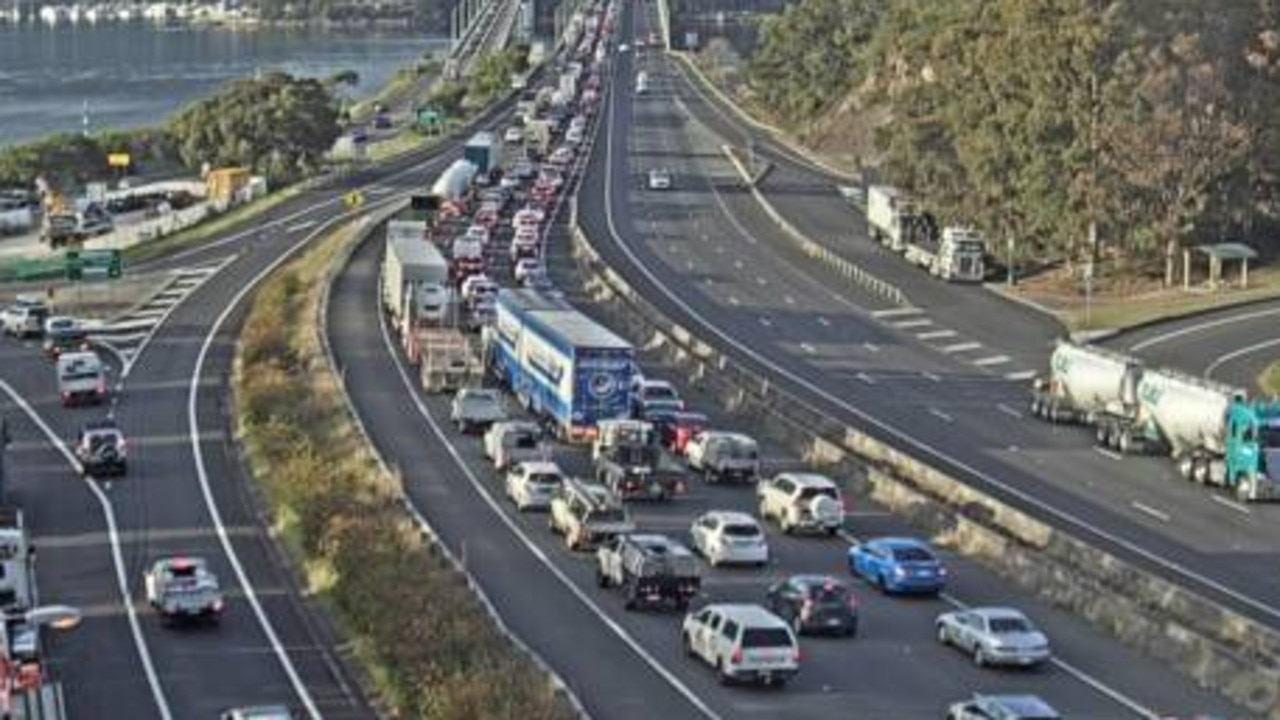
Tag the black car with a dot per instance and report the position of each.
(63, 334)
(815, 604)
(100, 448)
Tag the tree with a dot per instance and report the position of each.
(350, 78)
(279, 125)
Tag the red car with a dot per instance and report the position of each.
(677, 427)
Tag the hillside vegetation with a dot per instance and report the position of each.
(1153, 120)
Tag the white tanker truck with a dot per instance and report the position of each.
(1215, 433)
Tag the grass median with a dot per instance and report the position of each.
(423, 641)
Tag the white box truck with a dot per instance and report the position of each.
(415, 280)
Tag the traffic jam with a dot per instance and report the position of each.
(674, 509)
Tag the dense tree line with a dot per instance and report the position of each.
(279, 125)
(1151, 120)
(432, 15)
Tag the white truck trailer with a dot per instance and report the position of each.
(453, 183)
(891, 216)
(1214, 432)
(895, 221)
(415, 279)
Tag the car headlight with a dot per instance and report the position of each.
(899, 572)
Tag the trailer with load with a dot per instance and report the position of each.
(454, 182)
(630, 460)
(484, 150)
(563, 366)
(415, 276)
(649, 569)
(1214, 432)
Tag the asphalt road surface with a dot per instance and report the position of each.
(174, 408)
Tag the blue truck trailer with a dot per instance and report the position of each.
(561, 365)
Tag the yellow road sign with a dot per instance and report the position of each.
(354, 199)
(118, 160)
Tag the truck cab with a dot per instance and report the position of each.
(631, 462)
(961, 255)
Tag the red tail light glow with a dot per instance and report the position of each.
(736, 658)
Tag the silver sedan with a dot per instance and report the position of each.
(994, 636)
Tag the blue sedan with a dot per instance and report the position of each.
(898, 565)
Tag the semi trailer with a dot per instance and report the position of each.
(893, 219)
(1215, 433)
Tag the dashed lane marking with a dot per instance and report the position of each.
(1148, 510)
(1104, 452)
(896, 312)
(961, 347)
(941, 415)
(1020, 375)
(1011, 412)
(1231, 504)
(908, 324)
(936, 334)
(993, 360)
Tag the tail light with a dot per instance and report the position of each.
(217, 606)
(797, 655)
(736, 657)
(681, 487)
(806, 609)
(102, 387)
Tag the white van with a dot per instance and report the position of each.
(82, 379)
(742, 642)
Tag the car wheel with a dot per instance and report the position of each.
(602, 580)
(882, 583)
(979, 657)
(785, 525)
(721, 675)
(944, 637)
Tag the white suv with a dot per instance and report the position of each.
(742, 642)
(805, 501)
(723, 536)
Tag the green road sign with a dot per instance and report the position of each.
(86, 264)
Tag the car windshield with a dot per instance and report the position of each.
(812, 492)
(765, 638)
(478, 401)
(742, 451)
(609, 515)
(79, 372)
(525, 440)
(660, 392)
(544, 479)
(1003, 625)
(912, 554)
(829, 594)
(741, 530)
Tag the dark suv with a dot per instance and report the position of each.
(815, 604)
(101, 449)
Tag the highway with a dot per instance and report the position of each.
(873, 366)
(186, 493)
(894, 669)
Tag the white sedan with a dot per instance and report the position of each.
(526, 267)
(724, 536)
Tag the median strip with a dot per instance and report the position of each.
(425, 643)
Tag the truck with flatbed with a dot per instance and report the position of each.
(630, 460)
(650, 569)
(561, 365)
(897, 222)
(1215, 433)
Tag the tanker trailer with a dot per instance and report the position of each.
(1087, 384)
(453, 183)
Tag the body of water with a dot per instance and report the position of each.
(138, 74)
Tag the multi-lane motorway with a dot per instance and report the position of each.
(692, 247)
(941, 396)
(185, 494)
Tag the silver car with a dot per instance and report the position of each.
(994, 636)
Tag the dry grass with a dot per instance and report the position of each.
(427, 647)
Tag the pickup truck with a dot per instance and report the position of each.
(650, 569)
(477, 408)
(630, 461)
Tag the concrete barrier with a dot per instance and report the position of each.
(846, 268)
(1217, 647)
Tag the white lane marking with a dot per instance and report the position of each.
(1020, 375)
(766, 322)
(908, 324)
(1008, 410)
(961, 347)
(1148, 510)
(930, 376)
(789, 300)
(1097, 685)
(1229, 503)
(936, 334)
(823, 321)
(871, 347)
(993, 360)
(733, 300)
(131, 360)
(1239, 353)
(1200, 327)
(941, 415)
(117, 556)
(906, 438)
(896, 312)
(537, 552)
(866, 378)
(808, 348)
(1108, 453)
(202, 474)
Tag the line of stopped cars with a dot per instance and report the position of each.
(654, 455)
